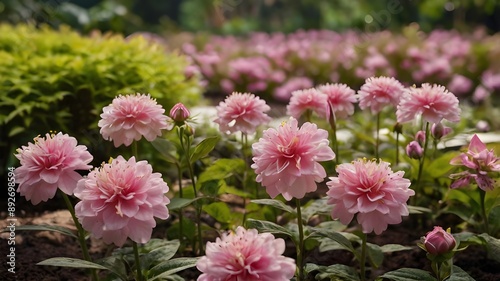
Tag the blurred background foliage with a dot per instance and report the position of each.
(240, 17)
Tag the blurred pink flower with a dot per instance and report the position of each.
(372, 191)
(286, 159)
(242, 112)
(308, 99)
(121, 199)
(246, 255)
(434, 103)
(480, 94)
(131, 117)
(284, 92)
(379, 92)
(460, 84)
(341, 99)
(439, 241)
(49, 163)
(480, 161)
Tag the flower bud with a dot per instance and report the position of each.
(414, 150)
(439, 241)
(398, 128)
(179, 113)
(420, 137)
(482, 126)
(438, 130)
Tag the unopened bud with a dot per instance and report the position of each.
(179, 113)
(420, 137)
(414, 150)
(438, 130)
(439, 241)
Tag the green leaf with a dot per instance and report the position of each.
(336, 237)
(71, 262)
(317, 207)
(440, 166)
(221, 169)
(219, 211)
(160, 253)
(204, 148)
(211, 188)
(492, 246)
(375, 254)
(46, 227)
(167, 268)
(337, 272)
(167, 149)
(458, 274)
(178, 203)
(389, 248)
(276, 204)
(407, 274)
(267, 226)
(116, 265)
(418, 209)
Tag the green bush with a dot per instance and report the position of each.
(60, 80)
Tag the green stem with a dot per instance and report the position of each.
(397, 148)
(81, 234)
(137, 262)
(362, 261)
(333, 125)
(181, 219)
(377, 141)
(421, 164)
(135, 150)
(482, 194)
(300, 246)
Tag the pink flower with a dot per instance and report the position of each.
(341, 99)
(439, 130)
(439, 242)
(49, 163)
(246, 255)
(480, 161)
(179, 113)
(414, 150)
(284, 92)
(372, 191)
(379, 92)
(131, 117)
(308, 99)
(434, 103)
(241, 112)
(286, 159)
(120, 199)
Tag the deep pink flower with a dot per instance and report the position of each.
(480, 161)
(179, 113)
(121, 199)
(379, 92)
(414, 150)
(434, 103)
(242, 112)
(246, 255)
(49, 163)
(308, 99)
(372, 191)
(131, 117)
(341, 99)
(439, 242)
(286, 159)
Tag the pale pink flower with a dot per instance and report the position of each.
(246, 255)
(433, 102)
(121, 199)
(286, 159)
(341, 99)
(379, 92)
(372, 191)
(131, 117)
(49, 163)
(242, 112)
(308, 99)
(480, 161)
(284, 92)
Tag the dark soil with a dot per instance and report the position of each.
(32, 247)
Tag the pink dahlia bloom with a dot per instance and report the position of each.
(379, 92)
(131, 117)
(286, 159)
(121, 199)
(341, 99)
(480, 161)
(372, 191)
(49, 163)
(246, 255)
(242, 112)
(434, 103)
(308, 99)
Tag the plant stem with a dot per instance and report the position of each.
(482, 194)
(137, 262)
(181, 228)
(333, 125)
(397, 148)
(377, 140)
(81, 234)
(362, 261)
(421, 164)
(300, 246)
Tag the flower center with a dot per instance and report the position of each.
(288, 150)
